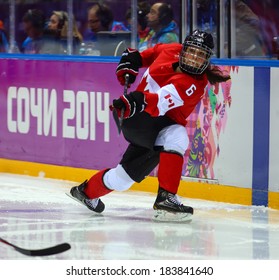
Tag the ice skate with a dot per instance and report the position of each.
(167, 207)
(94, 204)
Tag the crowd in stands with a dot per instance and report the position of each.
(49, 35)
(4, 44)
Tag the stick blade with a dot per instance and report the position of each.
(60, 248)
(117, 120)
(51, 250)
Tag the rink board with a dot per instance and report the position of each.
(60, 120)
(212, 192)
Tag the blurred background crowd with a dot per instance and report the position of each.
(241, 28)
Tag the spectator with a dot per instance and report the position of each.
(143, 29)
(37, 42)
(248, 37)
(163, 28)
(58, 27)
(4, 44)
(100, 18)
(267, 11)
(249, 41)
(206, 15)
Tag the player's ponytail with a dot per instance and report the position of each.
(215, 75)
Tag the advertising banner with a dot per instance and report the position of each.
(58, 113)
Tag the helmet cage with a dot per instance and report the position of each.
(198, 63)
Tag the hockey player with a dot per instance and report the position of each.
(154, 121)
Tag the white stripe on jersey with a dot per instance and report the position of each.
(168, 99)
(168, 96)
(151, 85)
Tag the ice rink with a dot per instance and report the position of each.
(36, 213)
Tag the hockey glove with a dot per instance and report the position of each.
(129, 63)
(131, 104)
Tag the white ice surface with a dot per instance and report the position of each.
(36, 213)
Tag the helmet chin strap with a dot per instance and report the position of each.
(178, 69)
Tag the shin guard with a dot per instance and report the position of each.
(169, 172)
(95, 186)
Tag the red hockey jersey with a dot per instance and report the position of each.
(166, 91)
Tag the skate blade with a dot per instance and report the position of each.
(166, 216)
(69, 195)
(75, 199)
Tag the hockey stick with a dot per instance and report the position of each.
(126, 83)
(41, 252)
(119, 120)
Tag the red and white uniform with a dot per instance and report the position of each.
(170, 94)
(166, 91)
